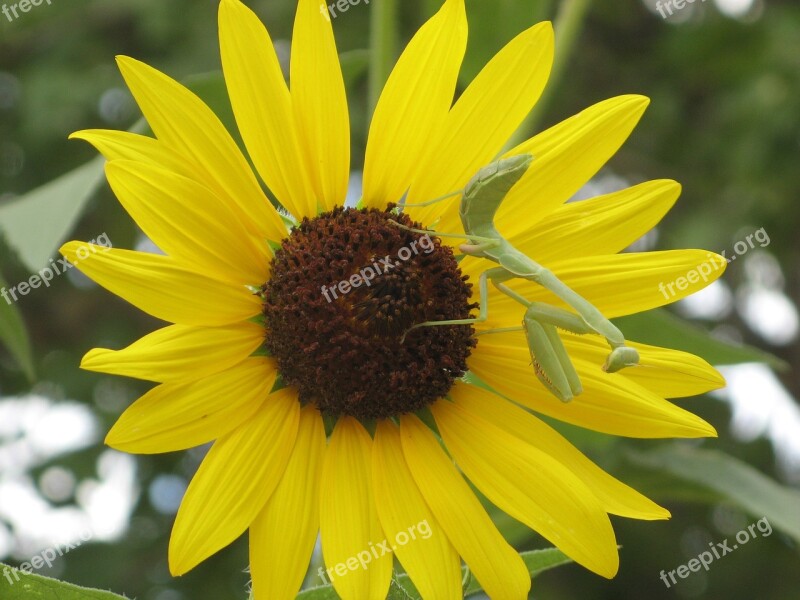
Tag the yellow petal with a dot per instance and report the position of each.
(426, 554)
(414, 102)
(530, 486)
(359, 568)
(291, 515)
(566, 156)
(614, 496)
(179, 353)
(188, 222)
(500, 570)
(663, 371)
(184, 124)
(483, 118)
(617, 284)
(604, 225)
(176, 416)
(234, 482)
(124, 145)
(610, 403)
(263, 106)
(160, 287)
(320, 103)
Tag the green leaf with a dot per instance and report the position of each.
(14, 335)
(322, 592)
(661, 328)
(537, 561)
(734, 480)
(36, 223)
(27, 586)
(398, 592)
(402, 587)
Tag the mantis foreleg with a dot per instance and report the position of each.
(550, 360)
(526, 268)
(483, 311)
(434, 200)
(483, 243)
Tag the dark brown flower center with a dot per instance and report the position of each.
(344, 289)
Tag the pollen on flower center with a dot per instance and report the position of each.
(344, 289)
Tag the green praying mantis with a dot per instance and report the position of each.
(480, 199)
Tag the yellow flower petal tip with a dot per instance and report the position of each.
(79, 135)
(70, 250)
(130, 67)
(235, 5)
(544, 28)
(716, 381)
(176, 566)
(637, 101)
(91, 360)
(661, 514)
(610, 567)
(112, 440)
(120, 437)
(695, 427)
(126, 63)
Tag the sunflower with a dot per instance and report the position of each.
(324, 419)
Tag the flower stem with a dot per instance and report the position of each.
(568, 27)
(383, 46)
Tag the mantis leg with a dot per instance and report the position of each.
(558, 317)
(483, 312)
(483, 242)
(563, 319)
(591, 319)
(434, 200)
(550, 360)
(526, 268)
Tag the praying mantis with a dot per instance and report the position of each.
(480, 199)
